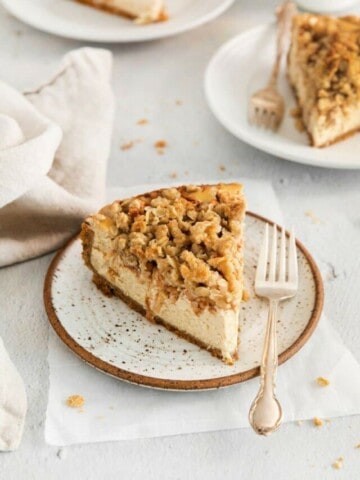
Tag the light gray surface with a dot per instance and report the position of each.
(148, 80)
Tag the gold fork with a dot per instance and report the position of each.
(266, 107)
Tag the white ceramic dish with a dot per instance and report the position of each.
(70, 19)
(325, 6)
(240, 68)
(108, 335)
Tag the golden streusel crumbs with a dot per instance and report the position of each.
(338, 463)
(318, 422)
(75, 401)
(142, 121)
(185, 240)
(322, 381)
(161, 144)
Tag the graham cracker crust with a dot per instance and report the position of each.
(163, 16)
(110, 290)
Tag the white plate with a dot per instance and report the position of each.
(108, 335)
(241, 67)
(70, 19)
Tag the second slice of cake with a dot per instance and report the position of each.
(142, 11)
(324, 71)
(176, 256)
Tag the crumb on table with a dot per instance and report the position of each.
(173, 175)
(297, 116)
(318, 422)
(75, 401)
(322, 381)
(160, 146)
(357, 445)
(222, 168)
(338, 463)
(127, 145)
(178, 102)
(312, 216)
(142, 121)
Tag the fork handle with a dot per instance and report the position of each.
(269, 361)
(285, 12)
(265, 413)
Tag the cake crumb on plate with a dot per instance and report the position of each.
(142, 121)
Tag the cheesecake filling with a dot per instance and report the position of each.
(215, 329)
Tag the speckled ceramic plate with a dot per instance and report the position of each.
(108, 335)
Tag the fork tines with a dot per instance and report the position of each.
(274, 266)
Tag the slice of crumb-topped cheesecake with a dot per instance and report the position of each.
(176, 256)
(142, 11)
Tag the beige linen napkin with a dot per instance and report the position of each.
(53, 150)
(54, 144)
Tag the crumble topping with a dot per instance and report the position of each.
(186, 240)
(328, 49)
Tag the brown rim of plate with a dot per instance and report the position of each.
(181, 384)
